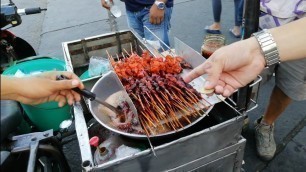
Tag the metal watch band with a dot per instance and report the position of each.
(268, 47)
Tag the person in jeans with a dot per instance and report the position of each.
(154, 14)
(216, 26)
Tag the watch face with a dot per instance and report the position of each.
(161, 6)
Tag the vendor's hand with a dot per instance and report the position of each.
(104, 4)
(231, 67)
(45, 88)
(156, 15)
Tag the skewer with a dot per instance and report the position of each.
(149, 95)
(152, 115)
(155, 107)
(123, 55)
(147, 134)
(152, 100)
(182, 108)
(126, 51)
(161, 114)
(158, 115)
(187, 103)
(143, 126)
(146, 100)
(159, 100)
(131, 47)
(147, 126)
(107, 53)
(138, 98)
(141, 48)
(165, 98)
(184, 116)
(148, 118)
(197, 98)
(195, 101)
(118, 59)
(170, 111)
(174, 117)
(177, 89)
(162, 48)
(195, 111)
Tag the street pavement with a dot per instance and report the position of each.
(75, 19)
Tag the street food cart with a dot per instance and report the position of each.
(212, 143)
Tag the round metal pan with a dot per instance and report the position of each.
(110, 89)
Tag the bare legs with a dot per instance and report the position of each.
(279, 101)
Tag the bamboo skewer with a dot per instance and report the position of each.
(107, 53)
(141, 49)
(148, 118)
(123, 55)
(127, 52)
(118, 59)
(174, 117)
(131, 47)
(168, 106)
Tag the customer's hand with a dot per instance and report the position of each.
(231, 67)
(44, 87)
(104, 4)
(156, 15)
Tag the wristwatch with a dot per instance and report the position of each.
(160, 5)
(268, 47)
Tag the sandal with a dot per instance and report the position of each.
(235, 35)
(211, 31)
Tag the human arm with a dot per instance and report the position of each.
(41, 88)
(237, 64)
(291, 40)
(157, 15)
(105, 5)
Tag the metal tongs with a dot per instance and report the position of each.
(91, 96)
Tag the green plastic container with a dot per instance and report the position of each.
(47, 115)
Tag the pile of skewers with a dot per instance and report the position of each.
(163, 100)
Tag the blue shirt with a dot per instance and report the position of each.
(137, 5)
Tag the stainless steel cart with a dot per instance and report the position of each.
(213, 144)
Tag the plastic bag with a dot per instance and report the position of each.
(98, 66)
(124, 151)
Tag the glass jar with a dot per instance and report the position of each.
(211, 43)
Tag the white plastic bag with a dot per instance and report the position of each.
(98, 66)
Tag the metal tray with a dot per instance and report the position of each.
(77, 55)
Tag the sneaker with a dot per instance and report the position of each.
(265, 143)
